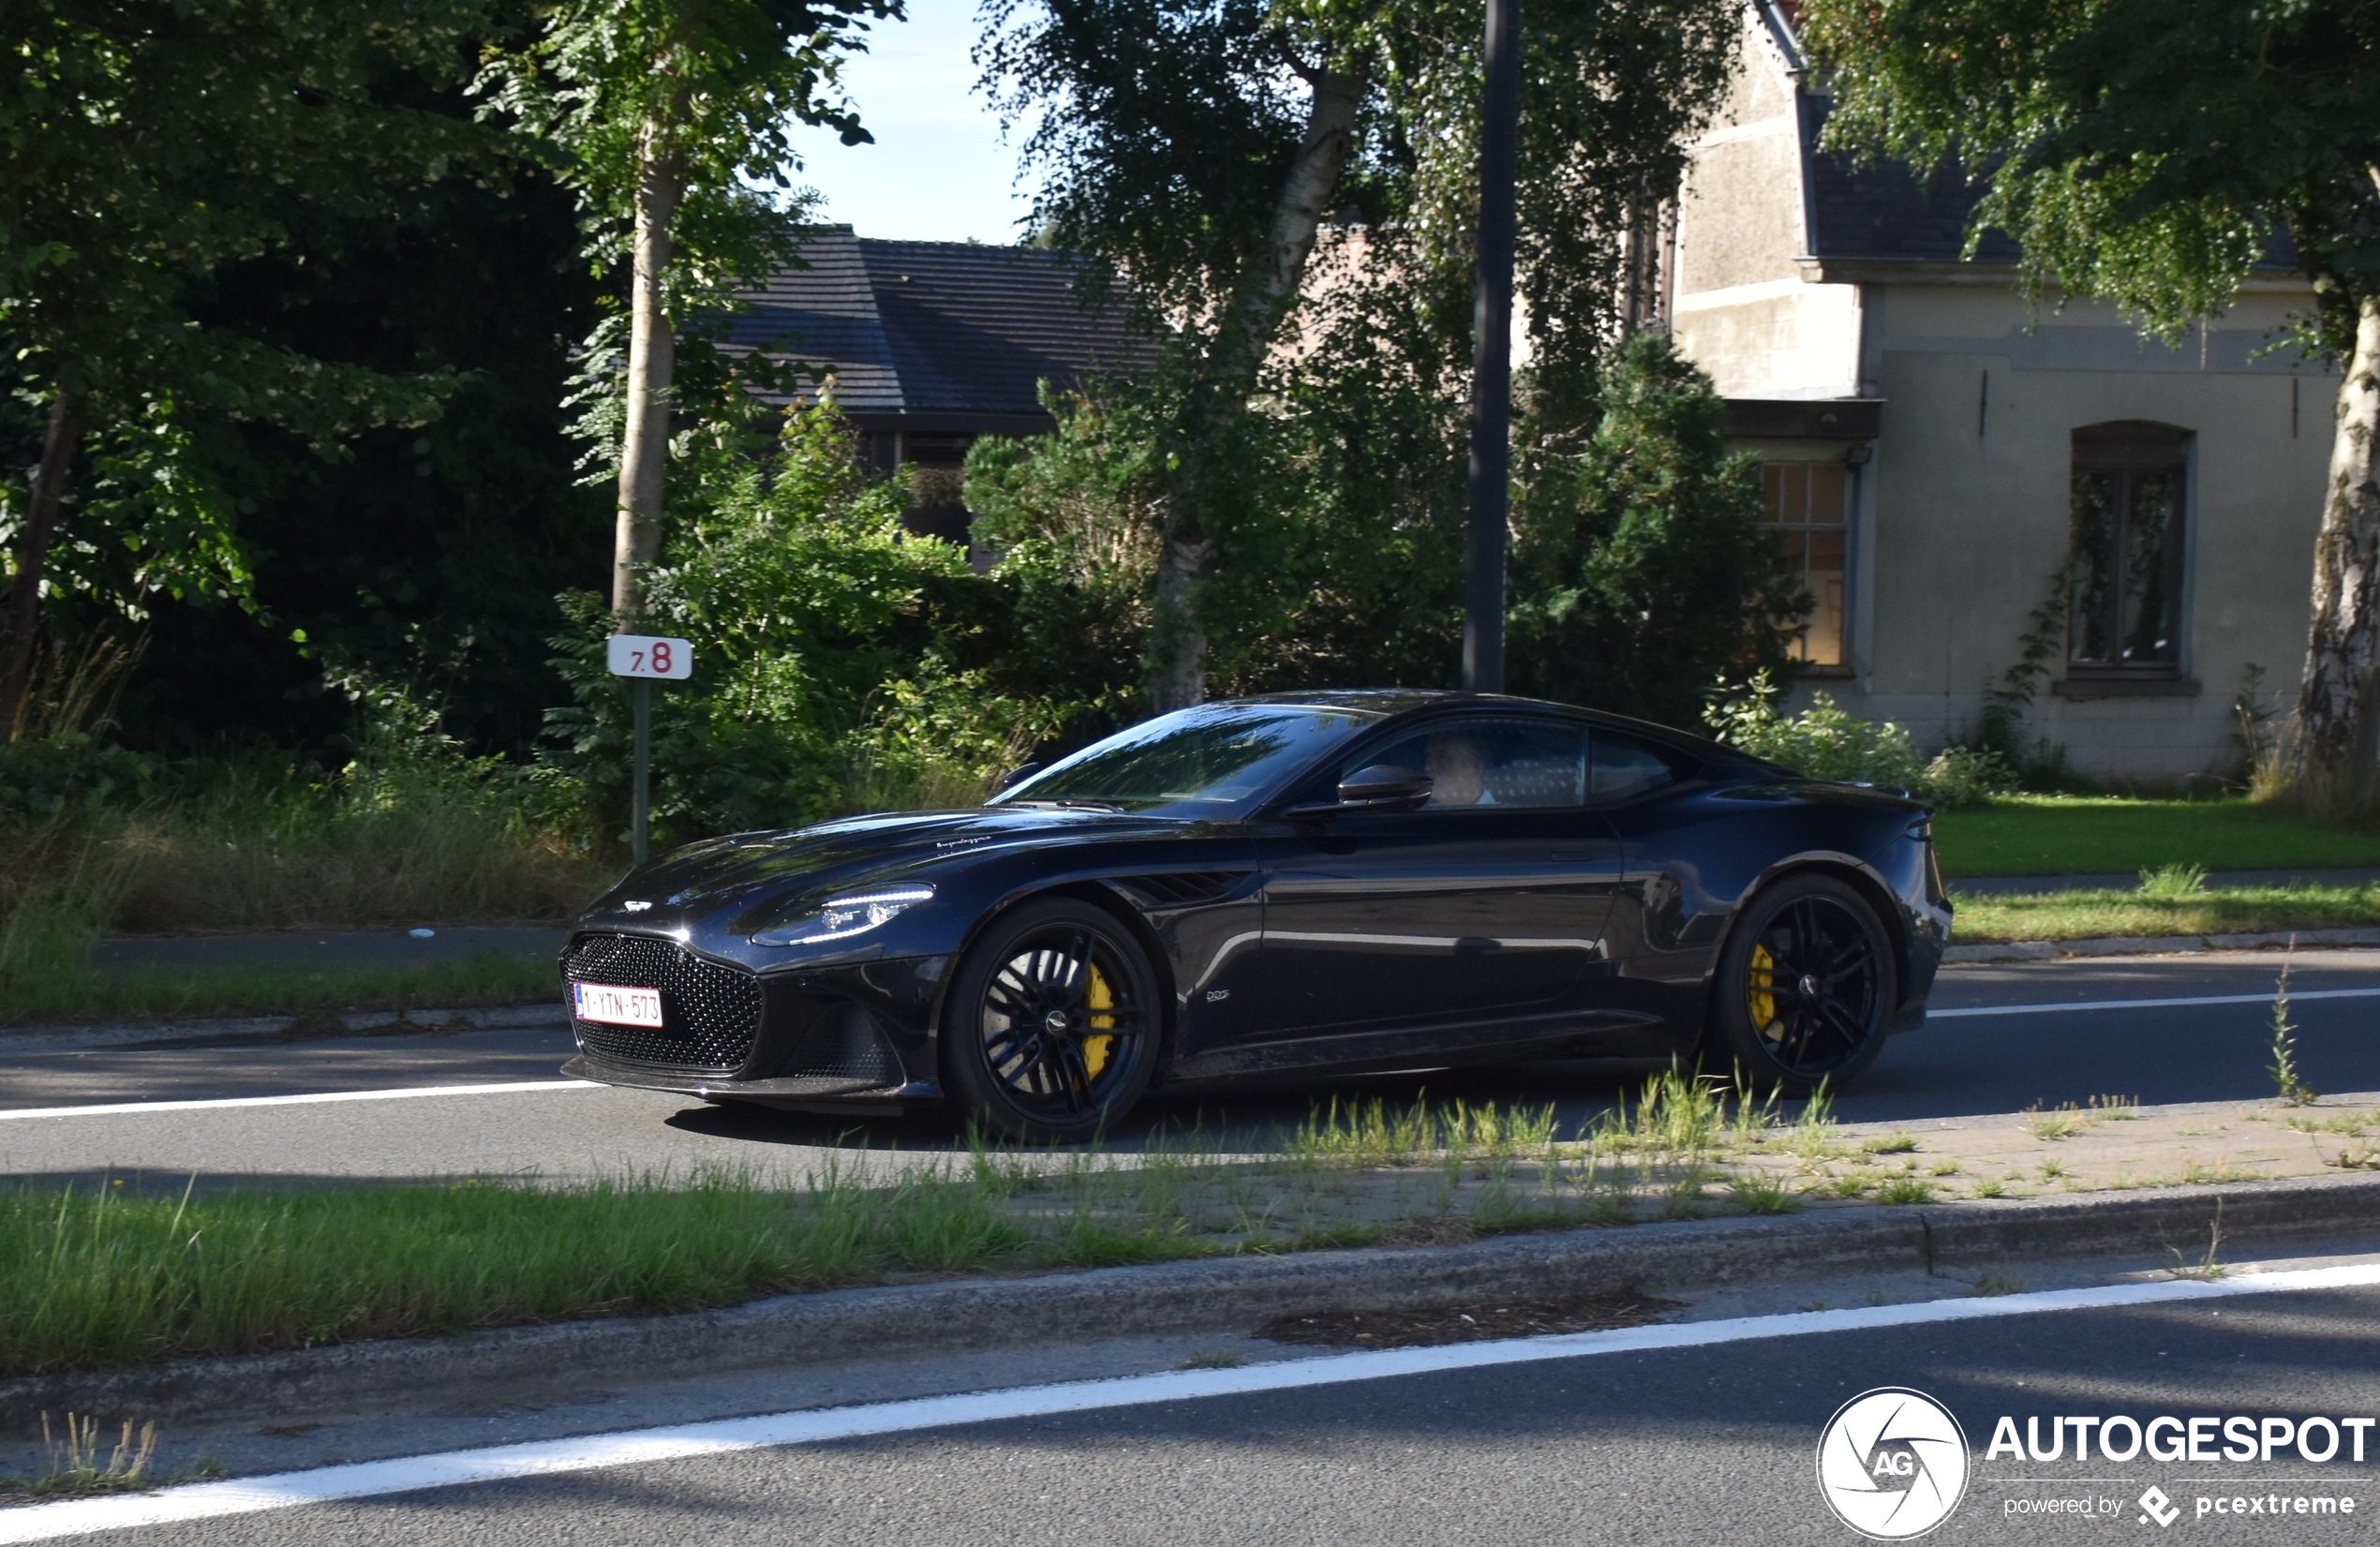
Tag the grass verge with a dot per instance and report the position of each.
(2239, 910)
(109, 1278)
(2087, 835)
(73, 992)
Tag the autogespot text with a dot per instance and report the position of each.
(2243, 1438)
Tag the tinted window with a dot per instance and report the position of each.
(1624, 767)
(1210, 761)
(1510, 763)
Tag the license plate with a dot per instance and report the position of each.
(618, 1007)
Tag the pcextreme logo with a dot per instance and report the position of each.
(1892, 1464)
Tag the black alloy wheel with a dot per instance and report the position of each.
(1806, 988)
(1051, 1031)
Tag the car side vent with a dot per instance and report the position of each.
(1178, 888)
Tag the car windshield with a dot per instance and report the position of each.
(1217, 760)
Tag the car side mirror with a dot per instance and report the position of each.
(1018, 773)
(1383, 786)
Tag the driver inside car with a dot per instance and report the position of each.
(1458, 774)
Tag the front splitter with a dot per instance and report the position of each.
(917, 1093)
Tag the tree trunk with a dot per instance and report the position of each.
(33, 554)
(1251, 321)
(653, 365)
(2337, 743)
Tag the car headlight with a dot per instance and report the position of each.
(840, 917)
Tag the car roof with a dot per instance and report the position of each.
(1413, 700)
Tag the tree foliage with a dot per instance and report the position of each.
(1641, 573)
(430, 554)
(673, 121)
(152, 151)
(1195, 144)
(2147, 150)
(844, 661)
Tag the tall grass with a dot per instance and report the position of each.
(409, 832)
(111, 1277)
(93, 1279)
(388, 839)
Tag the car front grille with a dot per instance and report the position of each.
(710, 1014)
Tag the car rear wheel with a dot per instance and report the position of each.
(1050, 1029)
(1806, 987)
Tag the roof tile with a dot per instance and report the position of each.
(946, 327)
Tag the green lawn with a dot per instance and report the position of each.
(2239, 910)
(2087, 835)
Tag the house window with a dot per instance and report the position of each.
(1808, 514)
(2125, 526)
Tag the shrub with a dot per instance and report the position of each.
(840, 662)
(1826, 741)
(1639, 568)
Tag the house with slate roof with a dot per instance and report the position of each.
(1943, 463)
(931, 344)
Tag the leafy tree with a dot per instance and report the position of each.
(2149, 152)
(1073, 518)
(1640, 573)
(429, 555)
(847, 663)
(667, 114)
(1199, 145)
(151, 149)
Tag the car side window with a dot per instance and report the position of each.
(1623, 766)
(1511, 764)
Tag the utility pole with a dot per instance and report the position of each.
(1492, 354)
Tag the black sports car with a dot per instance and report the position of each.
(1277, 886)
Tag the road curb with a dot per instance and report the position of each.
(1236, 1293)
(230, 1031)
(2171, 944)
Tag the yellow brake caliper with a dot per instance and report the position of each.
(1095, 1049)
(1761, 992)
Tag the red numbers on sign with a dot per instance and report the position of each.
(635, 655)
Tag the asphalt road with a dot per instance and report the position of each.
(1985, 1053)
(1685, 1445)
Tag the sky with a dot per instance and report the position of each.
(938, 171)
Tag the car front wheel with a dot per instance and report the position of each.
(1051, 1031)
(1806, 987)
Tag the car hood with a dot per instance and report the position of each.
(750, 876)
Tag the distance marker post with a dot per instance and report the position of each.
(642, 659)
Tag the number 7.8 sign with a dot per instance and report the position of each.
(639, 655)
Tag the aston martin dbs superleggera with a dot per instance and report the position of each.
(1277, 886)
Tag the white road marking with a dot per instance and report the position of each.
(2295, 996)
(638, 1447)
(312, 1098)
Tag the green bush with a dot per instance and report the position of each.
(1640, 571)
(1638, 567)
(1826, 741)
(840, 662)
